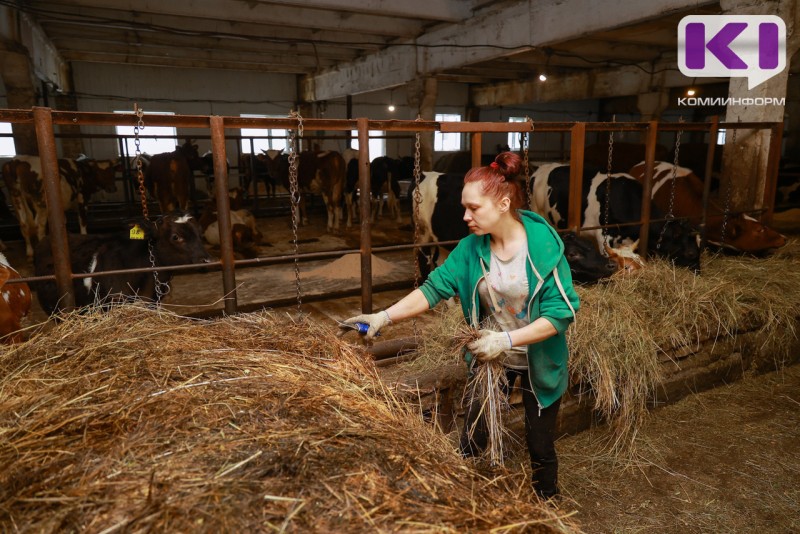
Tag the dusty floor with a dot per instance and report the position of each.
(726, 460)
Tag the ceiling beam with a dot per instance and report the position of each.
(73, 40)
(444, 11)
(45, 61)
(588, 85)
(511, 28)
(164, 61)
(237, 31)
(239, 11)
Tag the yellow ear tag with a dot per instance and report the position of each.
(137, 232)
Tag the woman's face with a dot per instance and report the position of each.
(482, 212)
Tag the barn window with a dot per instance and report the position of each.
(447, 142)
(721, 136)
(7, 148)
(165, 142)
(514, 138)
(377, 145)
(258, 139)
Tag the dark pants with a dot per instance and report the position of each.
(540, 428)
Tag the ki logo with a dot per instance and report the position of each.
(751, 46)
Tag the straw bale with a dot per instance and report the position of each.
(140, 420)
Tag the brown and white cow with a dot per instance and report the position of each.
(79, 180)
(173, 239)
(742, 232)
(15, 303)
(322, 173)
(169, 176)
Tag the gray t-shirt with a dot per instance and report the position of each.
(509, 284)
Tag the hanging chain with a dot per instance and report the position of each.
(416, 203)
(526, 140)
(161, 288)
(294, 191)
(608, 185)
(728, 192)
(671, 210)
(138, 160)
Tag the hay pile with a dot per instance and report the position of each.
(143, 420)
(626, 324)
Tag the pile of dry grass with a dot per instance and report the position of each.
(143, 420)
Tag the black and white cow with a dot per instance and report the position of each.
(441, 218)
(550, 198)
(175, 240)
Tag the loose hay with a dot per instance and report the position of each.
(488, 386)
(142, 420)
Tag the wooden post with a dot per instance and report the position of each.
(712, 145)
(773, 162)
(364, 203)
(224, 213)
(647, 185)
(578, 141)
(43, 121)
(476, 149)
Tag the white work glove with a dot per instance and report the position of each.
(490, 345)
(376, 321)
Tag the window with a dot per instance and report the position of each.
(446, 142)
(147, 144)
(721, 136)
(270, 138)
(7, 147)
(377, 146)
(514, 138)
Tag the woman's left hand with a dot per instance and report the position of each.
(490, 345)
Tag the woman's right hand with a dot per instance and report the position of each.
(376, 321)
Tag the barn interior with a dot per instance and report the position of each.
(472, 61)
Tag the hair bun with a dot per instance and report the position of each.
(508, 164)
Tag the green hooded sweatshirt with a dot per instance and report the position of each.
(550, 295)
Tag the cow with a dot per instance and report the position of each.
(674, 240)
(79, 179)
(253, 168)
(244, 229)
(14, 304)
(170, 176)
(173, 239)
(207, 168)
(441, 218)
(384, 176)
(321, 173)
(742, 232)
(350, 157)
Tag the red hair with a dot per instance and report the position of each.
(498, 179)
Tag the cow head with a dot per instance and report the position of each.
(104, 173)
(746, 234)
(680, 243)
(627, 261)
(192, 154)
(177, 239)
(585, 262)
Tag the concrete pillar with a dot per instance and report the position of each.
(651, 106)
(70, 146)
(744, 164)
(422, 97)
(17, 73)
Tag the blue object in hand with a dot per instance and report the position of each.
(362, 328)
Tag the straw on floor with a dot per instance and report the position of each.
(140, 420)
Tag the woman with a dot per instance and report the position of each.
(522, 312)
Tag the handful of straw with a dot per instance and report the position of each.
(489, 386)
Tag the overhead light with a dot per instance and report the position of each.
(543, 77)
(690, 92)
(390, 107)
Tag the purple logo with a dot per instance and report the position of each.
(752, 46)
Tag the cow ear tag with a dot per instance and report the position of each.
(137, 232)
